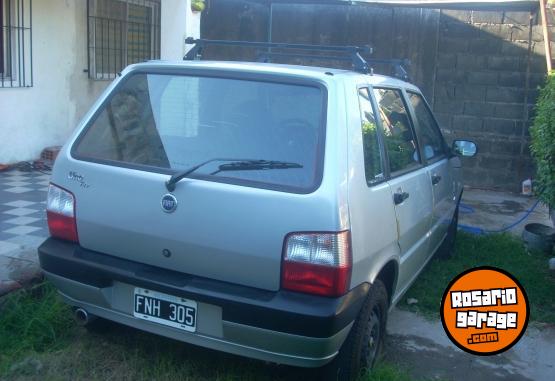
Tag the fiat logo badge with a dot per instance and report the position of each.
(169, 203)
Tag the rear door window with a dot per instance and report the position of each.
(399, 140)
(167, 123)
(429, 136)
(370, 143)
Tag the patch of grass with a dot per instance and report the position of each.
(499, 250)
(387, 372)
(122, 353)
(32, 320)
(39, 341)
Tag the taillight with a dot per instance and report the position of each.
(317, 263)
(60, 212)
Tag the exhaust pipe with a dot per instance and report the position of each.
(82, 317)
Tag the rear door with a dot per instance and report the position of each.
(230, 221)
(434, 151)
(372, 214)
(409, 182)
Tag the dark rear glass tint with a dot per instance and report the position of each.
(173, 122)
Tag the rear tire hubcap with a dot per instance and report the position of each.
(372, 339)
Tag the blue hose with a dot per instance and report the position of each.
(479, 231)
(471, 229)
(466, 209)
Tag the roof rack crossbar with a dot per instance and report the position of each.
(336, 48)
(344, 53)
(359, 65)
(351, 53)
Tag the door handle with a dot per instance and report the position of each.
(436, 179)
(399, 197)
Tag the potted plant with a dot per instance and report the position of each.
(543, 144)
(197, 5)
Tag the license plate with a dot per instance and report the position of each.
(165, 309)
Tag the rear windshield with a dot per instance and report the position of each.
(168, 123)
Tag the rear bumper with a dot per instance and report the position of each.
(283, 327)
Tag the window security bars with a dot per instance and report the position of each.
(120, 33)
(16, 43)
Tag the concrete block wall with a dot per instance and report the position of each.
(486, 85)
(474, 67)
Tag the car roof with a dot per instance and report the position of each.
(325, 74)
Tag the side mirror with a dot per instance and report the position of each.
(464, 148)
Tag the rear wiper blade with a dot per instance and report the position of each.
(235, 165)
(176, 177)
(247, 165)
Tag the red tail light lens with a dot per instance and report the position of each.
(60, 212)
(317, 263)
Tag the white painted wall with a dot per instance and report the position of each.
(46, 114)
(178, 23)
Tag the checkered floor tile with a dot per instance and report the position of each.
(22, 208)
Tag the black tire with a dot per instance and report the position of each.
(447, 247)
(364, 343)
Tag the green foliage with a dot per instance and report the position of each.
(543, 142)
(387, 372)
(372, 160)
(197, 5)
(32, 320)
(399, 152)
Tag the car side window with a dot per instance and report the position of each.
(428, 131)
(371, 147)
(399, 140)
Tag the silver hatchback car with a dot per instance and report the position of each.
(265, 210)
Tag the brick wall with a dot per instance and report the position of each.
(473, 66)
(486, 85)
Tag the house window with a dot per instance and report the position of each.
(2, 70)
(16, 68)
(120, 33)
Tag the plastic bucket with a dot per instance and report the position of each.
(538, 237)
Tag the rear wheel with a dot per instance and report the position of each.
(447, 247)
(363, 345)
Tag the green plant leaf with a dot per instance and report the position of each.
(542, 146)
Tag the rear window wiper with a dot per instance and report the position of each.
(234, 165)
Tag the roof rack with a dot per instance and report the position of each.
(340, 53)
(398, 66)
